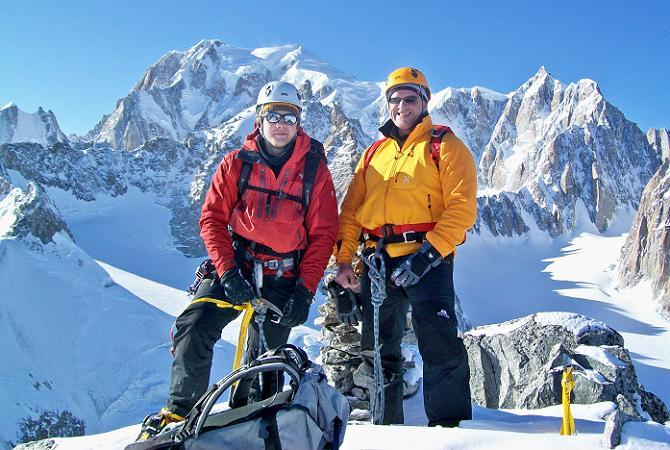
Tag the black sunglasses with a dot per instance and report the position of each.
(274, 117)
(410, 100)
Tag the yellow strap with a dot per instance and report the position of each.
(221, 303)
(568, 426)
(244, 327)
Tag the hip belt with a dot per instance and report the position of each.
(396, 234)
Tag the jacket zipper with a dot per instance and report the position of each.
(430, 208)
(393, 175)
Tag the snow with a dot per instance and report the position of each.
(500, 280)
(489, 429)
(599, 354)
(7, 214)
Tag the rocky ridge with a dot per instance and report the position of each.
(646, 253)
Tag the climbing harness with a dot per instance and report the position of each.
(377, 273)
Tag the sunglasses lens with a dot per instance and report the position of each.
(290, 119)
(410, 100)
(274, 117)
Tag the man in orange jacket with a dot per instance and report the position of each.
(269, 229)
(413, 195)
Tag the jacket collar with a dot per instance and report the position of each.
(389, 130)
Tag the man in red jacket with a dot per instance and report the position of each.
(269, 230)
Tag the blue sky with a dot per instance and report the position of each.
(78, 57)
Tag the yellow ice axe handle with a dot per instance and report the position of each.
(568, 426)
(244, 327)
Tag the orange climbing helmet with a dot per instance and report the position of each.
(408, 78)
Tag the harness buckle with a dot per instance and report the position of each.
(273, 264)
(405, 235)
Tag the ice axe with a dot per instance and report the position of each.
(260, 306)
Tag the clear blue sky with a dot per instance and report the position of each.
(79, 57)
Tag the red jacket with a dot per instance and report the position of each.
(286, 228)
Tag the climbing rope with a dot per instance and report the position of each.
(377, 273)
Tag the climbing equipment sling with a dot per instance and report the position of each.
(377, 273)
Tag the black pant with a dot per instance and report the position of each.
(197, 330)
(446, 374)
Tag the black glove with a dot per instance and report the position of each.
(416, 265)
(238, 291)
(297, 308)
(347, 303)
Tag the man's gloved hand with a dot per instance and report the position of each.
(237, 290)
(347, 303)
(416, 265)
(296, 309)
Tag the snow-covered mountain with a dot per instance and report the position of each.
(39, 127)
(72, 339)
(213, 85)
(543, 150)
(550, 155)
(559, 147)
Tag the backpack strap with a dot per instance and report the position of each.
(436, 135)
(369, 153)
(248, 159)
(315, 155)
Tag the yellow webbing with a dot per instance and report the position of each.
(244, 327)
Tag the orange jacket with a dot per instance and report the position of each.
(278, 223)
(403, 186)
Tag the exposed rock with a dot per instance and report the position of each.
(518, 364)
(31, 212)
(625, 412)
(660, 141)
(646, 253)
(44, 444)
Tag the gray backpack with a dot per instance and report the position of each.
(311, 414)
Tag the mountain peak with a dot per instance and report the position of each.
(18, 126)
(542, 75)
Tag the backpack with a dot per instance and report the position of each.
(311, 414)
(314, 156)
(436, 135)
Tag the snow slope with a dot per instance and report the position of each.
(496, 280)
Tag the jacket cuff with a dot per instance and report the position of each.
(224, 266)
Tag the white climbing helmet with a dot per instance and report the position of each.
(279, 92)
